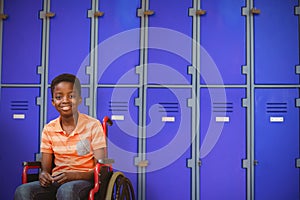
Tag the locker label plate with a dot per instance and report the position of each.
(18, 116)
(117, 117)
(276, 119)
(168, 119)
(222, 119)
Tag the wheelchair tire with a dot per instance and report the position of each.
(119, 188)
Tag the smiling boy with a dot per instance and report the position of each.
(73, 141)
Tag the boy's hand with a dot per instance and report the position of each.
(45, 179)
(64, 177)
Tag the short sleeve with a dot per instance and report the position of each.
(98, 137)
(46, 144)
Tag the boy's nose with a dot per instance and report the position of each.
(65, 99)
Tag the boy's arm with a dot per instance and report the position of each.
(45, 175)
(69, 176)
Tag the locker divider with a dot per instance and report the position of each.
(1, 39)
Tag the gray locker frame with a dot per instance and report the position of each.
(1, 39)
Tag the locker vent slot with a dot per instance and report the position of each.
(226, 107)
(168, 107)
(118, 106)
(19, 105)
(276, 107)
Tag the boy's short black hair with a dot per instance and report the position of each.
(66, 78)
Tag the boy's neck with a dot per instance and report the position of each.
(69, 121)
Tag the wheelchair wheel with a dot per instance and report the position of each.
(119, 188)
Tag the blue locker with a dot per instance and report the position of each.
(69, 38)
(119, 42)
(52, 112)
(170, 42)
(276, 144)
(118, 104)
(19, 122)
(223, 144)
(276, 42)
(223, 41)
(21, 42)
(168, 140)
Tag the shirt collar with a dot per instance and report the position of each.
(78, 128)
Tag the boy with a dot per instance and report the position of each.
(74, 141)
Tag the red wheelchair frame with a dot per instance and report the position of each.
(118, 186)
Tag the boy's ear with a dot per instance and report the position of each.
(52, 101)
(80, 100)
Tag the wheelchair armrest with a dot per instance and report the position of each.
(106, 161)
(26, 167)
(32, 164)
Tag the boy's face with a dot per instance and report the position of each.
(66, 99)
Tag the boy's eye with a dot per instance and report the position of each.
(58, 97)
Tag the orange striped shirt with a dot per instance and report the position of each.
(73, 152)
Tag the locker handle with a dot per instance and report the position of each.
(148, 12)
(98, 14)
(49, 14)
(200, 12)
(255, 11)
(3, 16)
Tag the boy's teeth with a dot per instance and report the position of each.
(66, 108)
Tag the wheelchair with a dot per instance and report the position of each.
(108, 184)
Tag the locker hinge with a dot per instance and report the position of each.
(245, 164)
(298, 69)
(39, 101)
(297, 10)
(138, 69)
(245, 102)
(298, 162)
(192, 70)
(40, 69)
(92, 13)
(142, 12)
(255, 11)
(137, 102)
(195, 12)
(88, 102)
(191, 103)
(98, 14)
(245, 69)
(298, 103)
(89, 70)
(140, 163)
(44, 14)
(245, 11)
(191, 163)
(3, 16)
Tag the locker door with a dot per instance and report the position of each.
(276, 42)
(19, 122)
(223, 144)
(118, 104)
(21, 42)
(69, 38)
(168, 144)
(119, 42)
(170, 42)
(276, 144)
(223, 39)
